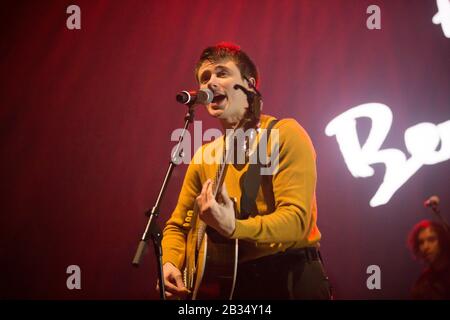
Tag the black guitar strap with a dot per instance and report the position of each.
(251, 180)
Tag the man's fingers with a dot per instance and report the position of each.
(179, 281)
(178, 284)
(205, 186)
(170, 287)
(175, 289)
(224, 193)
(198, 201)
(173, 282)
(168, 295)
(209, 193)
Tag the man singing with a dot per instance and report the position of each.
(277, 232)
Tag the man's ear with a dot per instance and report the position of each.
(252, 82)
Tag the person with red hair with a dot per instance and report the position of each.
(429, 241)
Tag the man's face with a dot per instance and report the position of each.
(229, 104)
(428, 245)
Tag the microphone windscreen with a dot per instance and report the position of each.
(205, 96)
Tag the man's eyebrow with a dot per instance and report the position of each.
(221, 67)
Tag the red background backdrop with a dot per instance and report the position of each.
(86, 117)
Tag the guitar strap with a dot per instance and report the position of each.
(251, 180)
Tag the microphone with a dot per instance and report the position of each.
(431, 201)
(201, 96)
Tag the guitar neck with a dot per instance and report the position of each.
(218, 180)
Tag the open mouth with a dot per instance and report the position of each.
(219, 98)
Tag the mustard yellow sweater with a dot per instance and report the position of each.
(286, 202)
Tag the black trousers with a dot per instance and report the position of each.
(297, 274)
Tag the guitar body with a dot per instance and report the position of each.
(211, 263)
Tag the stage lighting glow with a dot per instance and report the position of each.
(421, 142)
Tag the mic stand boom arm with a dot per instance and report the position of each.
(152, 229)
(437, 212)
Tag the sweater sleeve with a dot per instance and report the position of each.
(178, 225)
(293, 188)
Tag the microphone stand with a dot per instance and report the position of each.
(152, 229)
(437, 212)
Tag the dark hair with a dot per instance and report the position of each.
(443, 237)
(229, 51)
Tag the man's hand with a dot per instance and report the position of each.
(220, 216)
(173, 282)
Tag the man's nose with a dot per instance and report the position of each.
(213, 83)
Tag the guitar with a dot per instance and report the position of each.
(211, 259)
